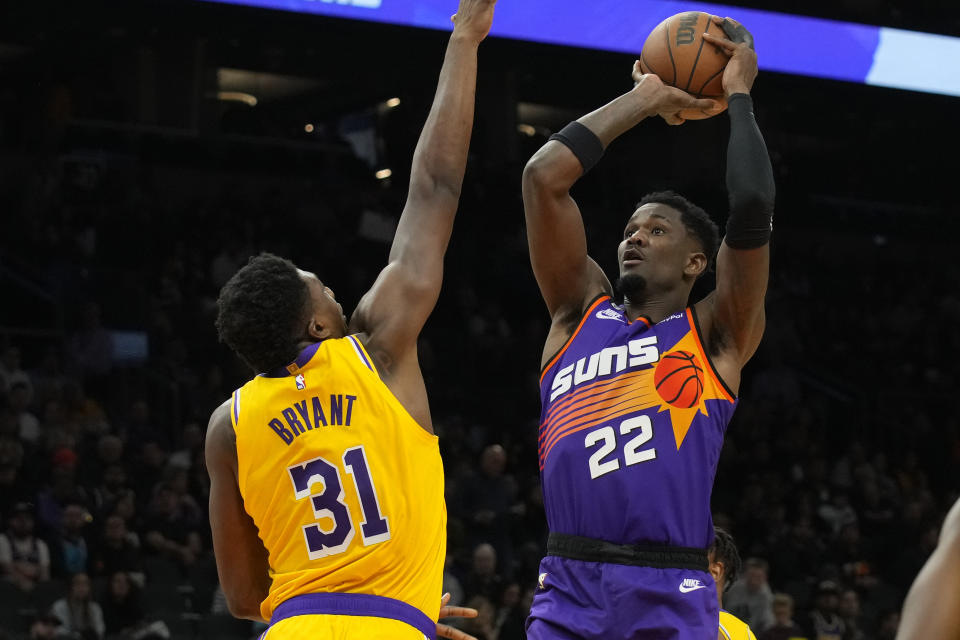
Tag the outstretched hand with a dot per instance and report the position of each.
(741, 70)
(446, 631)
(668, 102)
(474, 18)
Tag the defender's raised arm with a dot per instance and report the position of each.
(413, 276)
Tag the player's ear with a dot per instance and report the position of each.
(696, 264)
(716, 570)
(318, 329)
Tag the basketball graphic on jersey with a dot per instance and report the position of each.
(679, 379)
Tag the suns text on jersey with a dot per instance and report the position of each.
(309, 414)
(635, 353)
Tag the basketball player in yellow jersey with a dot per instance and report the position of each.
(725, 567)
(326, 497)
(932, 607)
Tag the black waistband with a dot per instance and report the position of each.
(637, 555)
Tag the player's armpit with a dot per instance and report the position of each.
(242, 561)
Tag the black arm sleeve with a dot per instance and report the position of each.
(749, 179)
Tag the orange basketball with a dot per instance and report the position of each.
(676, 52)
(679, 379)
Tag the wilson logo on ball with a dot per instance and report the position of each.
(679, 379)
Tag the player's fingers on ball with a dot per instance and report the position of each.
(707, 105)
(725, 45)
(672, 119)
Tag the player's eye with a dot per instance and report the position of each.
(628, 233)
(658, 230)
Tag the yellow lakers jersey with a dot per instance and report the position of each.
(733, 628)
(344, 486)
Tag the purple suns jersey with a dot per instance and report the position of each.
(631, 428)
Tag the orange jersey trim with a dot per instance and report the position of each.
(583, 320)
(694, 329)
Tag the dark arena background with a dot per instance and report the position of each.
(147, 149)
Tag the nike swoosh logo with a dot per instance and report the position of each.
(684, 589)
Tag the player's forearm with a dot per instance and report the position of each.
(556, 167)
(750, 182)
(440, 158)
(615, 118)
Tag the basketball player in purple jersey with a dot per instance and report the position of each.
(636, 398)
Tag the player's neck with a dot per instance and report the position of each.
(656, 307)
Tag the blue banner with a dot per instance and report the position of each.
(785, 43)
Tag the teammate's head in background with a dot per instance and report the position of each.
(724, 560)
(667, 244)
(270, 310)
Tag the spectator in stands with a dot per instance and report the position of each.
(11, 372)
(511, 614)
(117, 551)
(784, 628)
(149, 468)
(750, 598)
(849, 611)
(112, 486)
(24, 558)
(44, 627)
(837, 513)
(451, 584)
(71, 551)
(889, 623)
(823, 623)
(489, 496)
(483, 579)
(109, 452)
(28, 426)
(80, 615)
(122, 612)
(482, 627)
(191, 447)
(172, 528)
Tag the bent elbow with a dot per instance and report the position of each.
(243, 607)
(536, 173)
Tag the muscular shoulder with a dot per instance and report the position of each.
(221, 438)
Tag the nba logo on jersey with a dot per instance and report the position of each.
(301, 383)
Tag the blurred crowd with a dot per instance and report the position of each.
(837, 469)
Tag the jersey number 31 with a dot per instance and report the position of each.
(329, 505)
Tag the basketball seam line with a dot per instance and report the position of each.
(704, 85)
(673, 64)
(696, 60)
(644, 63)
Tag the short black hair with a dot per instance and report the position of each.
(724, 550)
(694, 218)
(260, 312)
